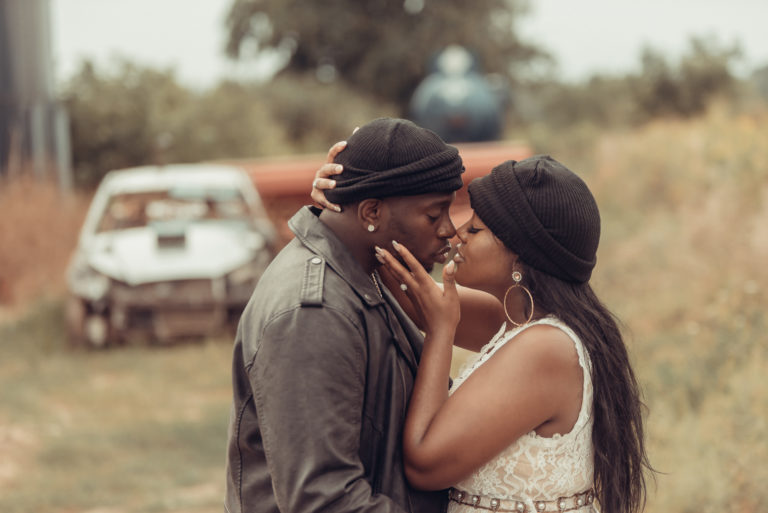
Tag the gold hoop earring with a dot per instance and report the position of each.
(518, 278)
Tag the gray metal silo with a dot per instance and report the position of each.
(34, 133)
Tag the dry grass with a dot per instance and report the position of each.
(38, 231)
(682, 262)
(135, 430)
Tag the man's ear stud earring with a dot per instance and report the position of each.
(371, 228)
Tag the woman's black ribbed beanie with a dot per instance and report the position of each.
(543, 212)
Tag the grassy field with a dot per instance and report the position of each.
(139, 429)
(682, 262)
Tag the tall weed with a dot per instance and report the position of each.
(38, 231)
(685, 210)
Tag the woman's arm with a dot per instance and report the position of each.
(532, 383)
(481, 317)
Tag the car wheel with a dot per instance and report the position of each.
(85, 328)
(96, 330)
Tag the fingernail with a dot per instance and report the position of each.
(332, 183)
(396, 245)
(337, 209)
(377, 249)
(380, 258)
(450, 267)
(339, 168)
(341, 143)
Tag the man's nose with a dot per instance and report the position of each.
(446, 230)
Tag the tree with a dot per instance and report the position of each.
(132, 115)
(686, 89)
(116, 118)
(379, 47)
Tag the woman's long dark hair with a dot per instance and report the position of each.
(617, 436)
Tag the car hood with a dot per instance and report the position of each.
(142, 255)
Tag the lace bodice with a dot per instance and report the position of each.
(535, 468)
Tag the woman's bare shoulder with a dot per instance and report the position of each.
(543, 346)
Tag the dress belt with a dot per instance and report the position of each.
(559, 505)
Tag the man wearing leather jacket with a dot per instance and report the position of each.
(324, 358)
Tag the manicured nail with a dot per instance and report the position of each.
(339, 168)
(377, 249)
(341, 143)
(337, 208)
(332, 183)
(396, 245)
(380, 258)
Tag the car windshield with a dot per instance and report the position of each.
(132, 210)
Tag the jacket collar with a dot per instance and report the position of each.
(318, 237)
(322, 241)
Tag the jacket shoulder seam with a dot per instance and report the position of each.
(293, 308)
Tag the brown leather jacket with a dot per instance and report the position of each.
(322, 371)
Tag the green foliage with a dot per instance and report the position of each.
(134, 115)
(314, 115)
(686, 90)
(557, 118)
(116, 118)
(230, 121)
(600, 100)
(547, 108)
(379, 47)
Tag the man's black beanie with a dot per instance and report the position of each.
(395, 157)
(543, 212)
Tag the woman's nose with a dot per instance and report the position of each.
(461, 233)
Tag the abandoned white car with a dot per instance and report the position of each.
(167, 252)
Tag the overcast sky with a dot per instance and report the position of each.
(585, 36)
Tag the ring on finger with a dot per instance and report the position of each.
(403, 287)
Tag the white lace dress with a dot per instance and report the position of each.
(534, 474)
